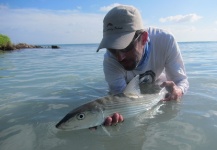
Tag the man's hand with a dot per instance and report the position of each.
(175, 93)
(113, 120)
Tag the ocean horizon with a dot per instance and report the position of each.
(59, 44)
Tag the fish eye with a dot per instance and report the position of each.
(80, 116)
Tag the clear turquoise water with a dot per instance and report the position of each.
(39, 86)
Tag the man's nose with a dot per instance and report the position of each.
(120, 56)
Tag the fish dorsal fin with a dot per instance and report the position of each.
(132, 88)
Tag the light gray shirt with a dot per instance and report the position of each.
(162, 55)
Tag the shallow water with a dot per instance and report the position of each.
(39, 86)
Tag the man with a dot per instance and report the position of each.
(133, 50)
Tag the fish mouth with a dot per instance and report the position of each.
(63, 121)
(58, 125)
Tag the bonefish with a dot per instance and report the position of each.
(129, 103)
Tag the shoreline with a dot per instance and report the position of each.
(11, 47)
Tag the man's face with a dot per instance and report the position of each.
(130, 56)
(130, 59)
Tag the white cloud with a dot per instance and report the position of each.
(216, 22)
(35, 26)
(185, 32)
(181, 18)
(107, 8)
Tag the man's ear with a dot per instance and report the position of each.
(144, 37)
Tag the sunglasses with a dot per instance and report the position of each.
(127, 49)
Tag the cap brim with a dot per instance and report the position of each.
(116, 41)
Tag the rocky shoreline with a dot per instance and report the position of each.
(11, 47)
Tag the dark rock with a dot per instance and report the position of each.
(9, 47)
(55, 47)
(38, 46)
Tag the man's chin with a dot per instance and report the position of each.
(129, 68)
(128, 65)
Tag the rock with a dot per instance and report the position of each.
(55, 47)
(38, 46)
(9, 47)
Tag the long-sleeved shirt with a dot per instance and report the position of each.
(161, 55)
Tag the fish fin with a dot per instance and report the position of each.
(132, 88)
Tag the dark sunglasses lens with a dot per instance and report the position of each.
(129, 47)
(112, 51)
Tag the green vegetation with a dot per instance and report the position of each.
(4, 42)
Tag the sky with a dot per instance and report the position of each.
(81, 21)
